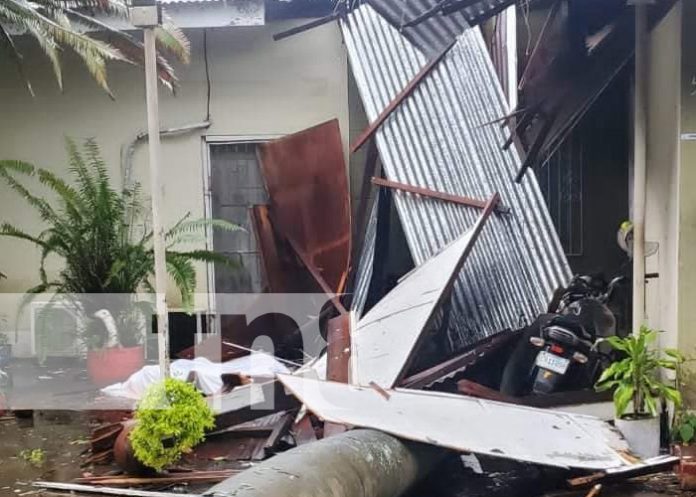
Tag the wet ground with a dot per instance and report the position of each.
(45, 446)
(61, 439)
(49, 445)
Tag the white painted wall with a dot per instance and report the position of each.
(662, 214)
(258, 87)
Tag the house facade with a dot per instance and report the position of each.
(241, 88)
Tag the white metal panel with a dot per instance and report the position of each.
(384, 339)
(468, 424)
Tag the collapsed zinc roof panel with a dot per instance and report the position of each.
(438, 139)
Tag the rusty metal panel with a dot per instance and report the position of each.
(468, 424)
(307, 181)
(338, 348)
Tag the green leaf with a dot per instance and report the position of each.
(672, 395)
(617, 343)
(650, 404)
(686, 432)
(622, 396)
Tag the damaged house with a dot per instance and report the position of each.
(438, 172)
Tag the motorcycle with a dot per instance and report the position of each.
(563, 349)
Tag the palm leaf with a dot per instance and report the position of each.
(8, 42)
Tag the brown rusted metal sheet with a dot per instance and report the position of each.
(338, 348)
(282, 273)
(307, 182)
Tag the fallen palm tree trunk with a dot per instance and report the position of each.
(358, 463)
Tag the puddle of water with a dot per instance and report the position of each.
(60, 436)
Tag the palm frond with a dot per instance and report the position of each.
(172, 39)
(10, 47)
(50, 23)
(24, 17)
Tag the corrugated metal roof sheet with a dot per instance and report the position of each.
(433, 34)
(365, 262)
(438, 139)
(430, 36)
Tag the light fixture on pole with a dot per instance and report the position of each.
(146, 14)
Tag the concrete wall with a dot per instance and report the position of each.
(258, 87)
(687, 198)
(671, 208)
(663, 174)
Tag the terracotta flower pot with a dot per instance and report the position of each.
(112, 365)
(687, 465)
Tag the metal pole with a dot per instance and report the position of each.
(639, 165)
(153, 130)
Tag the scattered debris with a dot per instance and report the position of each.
(469, 425)
(131, 492)
(385, 339)
(186, 477)
(639, 468)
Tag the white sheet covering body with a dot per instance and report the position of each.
(208, 373)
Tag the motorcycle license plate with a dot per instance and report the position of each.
(552, 362)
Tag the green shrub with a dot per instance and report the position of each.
(172, 418)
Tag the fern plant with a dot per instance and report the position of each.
(99, 232)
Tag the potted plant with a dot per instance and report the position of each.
(101, 235)
(636, 384)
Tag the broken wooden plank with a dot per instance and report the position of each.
(467, 424)
(249, 402)
(384, 340)
(131, 492)
(473, 389)
(642, 468)
(188, 477)
(280, 429)
(427, 192)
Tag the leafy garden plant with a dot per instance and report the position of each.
(172, 418)
(684, 428)
(635, 378)
(100, 234)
